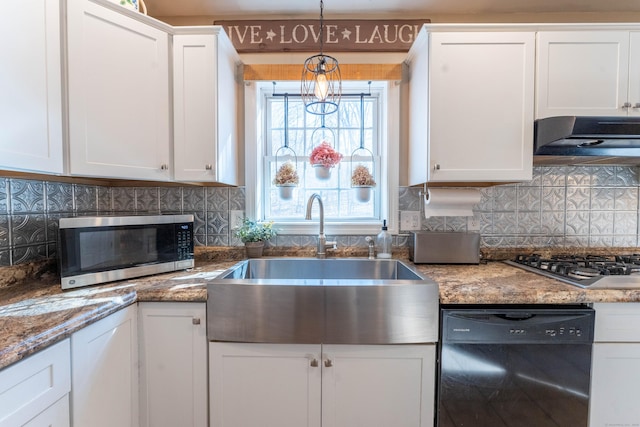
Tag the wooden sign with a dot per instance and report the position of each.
(340, 35)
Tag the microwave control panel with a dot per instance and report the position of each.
(184, 238)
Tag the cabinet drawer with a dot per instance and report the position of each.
(33, 384)
(617, 322)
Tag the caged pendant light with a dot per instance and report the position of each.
(321, 85)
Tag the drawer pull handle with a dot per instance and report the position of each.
(195, 320)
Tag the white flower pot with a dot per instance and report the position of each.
(322, 172)
(363, 193)
(285, 191)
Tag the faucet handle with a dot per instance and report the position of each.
(331, 244)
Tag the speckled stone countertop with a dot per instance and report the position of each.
(37, 313)
(500, 283)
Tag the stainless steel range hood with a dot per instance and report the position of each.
(566, 140)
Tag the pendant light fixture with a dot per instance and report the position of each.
(321, 85)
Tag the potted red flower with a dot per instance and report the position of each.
(323, 158)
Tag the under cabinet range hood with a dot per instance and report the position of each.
(566, 140)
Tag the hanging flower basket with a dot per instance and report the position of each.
(363, 193)
(322, 172)
(362, 180)
(286, 179)
(361, 176)
(285, 191)
(323, 158)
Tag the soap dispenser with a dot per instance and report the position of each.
(383, 242)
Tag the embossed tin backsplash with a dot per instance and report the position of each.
(582, 206)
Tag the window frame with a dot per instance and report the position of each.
(388, 129)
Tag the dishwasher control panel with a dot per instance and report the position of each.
(518, 325)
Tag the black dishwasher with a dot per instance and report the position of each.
(515, 366)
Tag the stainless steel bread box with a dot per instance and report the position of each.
(432, 247)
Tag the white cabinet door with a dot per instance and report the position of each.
(582, 73)
(56, 415)
(634, 73)
(379, 386)
(283, 385)
(615, 371)
(118, 95)
(104, 372)
(205, 107)
(31, 87)
(615, 385)
(267, 385)
(173, 364)
(478, 126)
(32, 385)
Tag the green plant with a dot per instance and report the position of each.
(254, 231)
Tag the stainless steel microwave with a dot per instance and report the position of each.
(95, 250)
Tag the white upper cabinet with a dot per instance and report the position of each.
(119, 113)
(584, 73)
(634, 74)
(205, 91)
(31, 87)
(471, 105)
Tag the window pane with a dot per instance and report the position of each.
(304, 132)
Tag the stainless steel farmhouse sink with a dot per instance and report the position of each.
(332, 301)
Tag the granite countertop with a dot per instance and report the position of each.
(499, 283)
(36, 314)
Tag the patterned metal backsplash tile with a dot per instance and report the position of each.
(560, 207)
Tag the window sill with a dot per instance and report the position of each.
(330, 228)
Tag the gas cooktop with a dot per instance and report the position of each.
(586, 271)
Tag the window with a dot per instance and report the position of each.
(344, 213)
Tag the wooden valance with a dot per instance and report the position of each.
(271, 72)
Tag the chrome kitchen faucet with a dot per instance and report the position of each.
(323, 245)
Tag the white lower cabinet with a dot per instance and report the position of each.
(56, 415)
(281, 385)
(615, 373)
(35, 391)
(173, 364)
(104, 366)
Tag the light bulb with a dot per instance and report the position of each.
(321, 89)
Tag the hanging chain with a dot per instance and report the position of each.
(286, 120)
(321, 26)
(361, 121)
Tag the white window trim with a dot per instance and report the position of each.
(390, 142)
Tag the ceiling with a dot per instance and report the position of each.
(407, 8)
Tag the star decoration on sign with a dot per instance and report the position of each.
(270, 35)
(346, 34)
